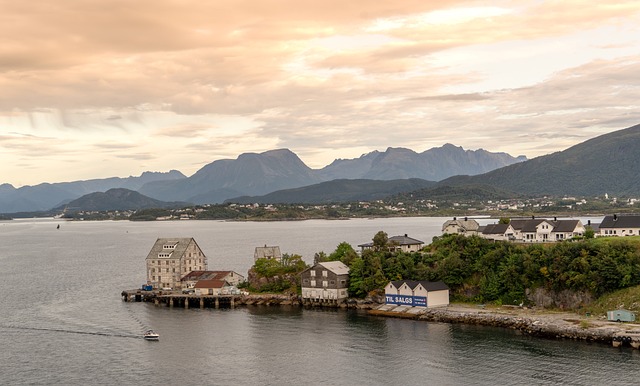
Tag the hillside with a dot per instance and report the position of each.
(457, 193)
(45, 196)
(117, 199)
(605, 164)
(336, 191)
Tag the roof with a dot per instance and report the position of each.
(179, 246)
(211, 284)
(428, 285)
(266, 252)
(396, 283)
(399, 240)
(531, 226)
(336, 267)
(467, 225)
(495, 229)
(206, 275)
(620, 221)
(404, 240)
(565, 225)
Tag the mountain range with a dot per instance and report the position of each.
(605, 164)
(253, 174)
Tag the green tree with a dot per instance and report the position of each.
(380, 241)
(588, 232)
(344, 252)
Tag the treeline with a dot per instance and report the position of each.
(475, 269)
(481, 270)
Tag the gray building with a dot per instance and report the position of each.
(170, 259)
(325, 282)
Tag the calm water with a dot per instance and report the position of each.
(62, 321)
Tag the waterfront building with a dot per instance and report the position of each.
(417, 293)
(170, 259)
(231, 277)
(325, 281)
(620, 225)
(267, 253)
(398, 244)
(463, 227)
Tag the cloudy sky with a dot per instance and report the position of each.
(102, 88)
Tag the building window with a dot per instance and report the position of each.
(305, 281)
(325, 283)
(313, 273)
(324, 273)
(313, 283)
(332, 282)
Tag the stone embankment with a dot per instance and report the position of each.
(539, 323)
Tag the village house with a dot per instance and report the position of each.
(464, 227)
(326, 281)
(210, 287)
(504, 232)
(620, 225)
(170, 259)
(398, 244)
(417, 293)
(533, 230)
(267, 253)
(231, 277)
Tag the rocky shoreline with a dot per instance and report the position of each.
(539, 323)
(534, 322)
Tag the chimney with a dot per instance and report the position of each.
(588, 222)
(405, 235)
(615, 217)
(555, 218)
(465, 219)
(454, 219)
(533, 217)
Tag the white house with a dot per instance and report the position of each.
(399, 243)
(534, 230)
(464, 227)
(620, 225)
(502, 232)
(417, 293)
(210, 287)
(567, 229)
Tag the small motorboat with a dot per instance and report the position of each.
(151, 335)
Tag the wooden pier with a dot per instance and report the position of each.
(173, 299)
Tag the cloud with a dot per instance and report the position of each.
(122, 82)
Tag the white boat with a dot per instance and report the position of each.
(151, 335)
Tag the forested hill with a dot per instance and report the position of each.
(336, 191)
(605, 164)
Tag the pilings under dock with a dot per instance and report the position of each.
(172, 299)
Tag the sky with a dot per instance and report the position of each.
(113, 88)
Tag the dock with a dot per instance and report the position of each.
(174, 299)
